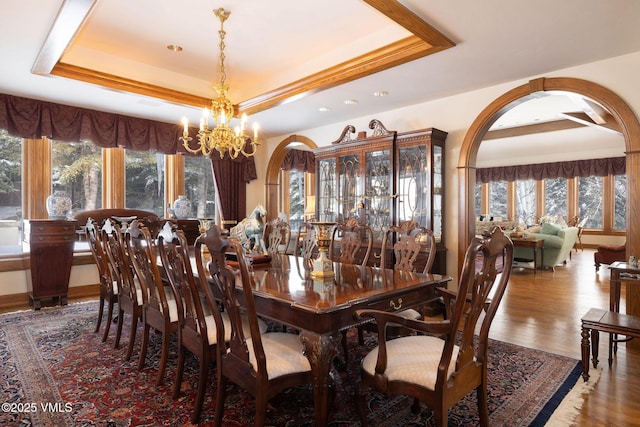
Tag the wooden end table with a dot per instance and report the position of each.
(534, 244)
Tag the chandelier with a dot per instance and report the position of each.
(221, 137)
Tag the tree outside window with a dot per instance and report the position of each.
(590, 200)
(525, 199)
(555, 200)
(144, 181)
(498, 199)
(296, 198)
(10, 192)
(620, 202)
(199, 186)
(76, 169)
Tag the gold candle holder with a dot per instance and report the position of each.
(323, 266)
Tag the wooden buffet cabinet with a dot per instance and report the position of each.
(51, 248)
(382, 180)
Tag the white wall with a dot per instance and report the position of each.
(455, 114)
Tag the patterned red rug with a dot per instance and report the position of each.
(56, 372)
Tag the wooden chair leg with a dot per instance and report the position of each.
(116, 344)
(132, 336)
(107, 326)
(179, 370)
(202, 388)
(143, 345)
(220, 398)
(100, 313)
(163, 357)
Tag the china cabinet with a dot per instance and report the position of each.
(384, 179)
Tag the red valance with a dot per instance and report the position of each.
(29, 118)
(569, 169)
(301, 160)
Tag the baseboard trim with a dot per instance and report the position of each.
(21, 301)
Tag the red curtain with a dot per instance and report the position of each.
(301, 160)
(28, 118)
(570, 169)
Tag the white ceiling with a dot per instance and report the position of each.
(272, 43)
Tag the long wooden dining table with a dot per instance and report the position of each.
(321, 309)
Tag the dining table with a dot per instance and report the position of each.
(321, 309)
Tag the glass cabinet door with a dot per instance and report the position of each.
(378, 191)
(438, 192)
(348, 186)
(413, 185)
(326, 197)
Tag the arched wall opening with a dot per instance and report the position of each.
(273, 169)
(618, 108)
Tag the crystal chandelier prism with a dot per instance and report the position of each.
(221, 137)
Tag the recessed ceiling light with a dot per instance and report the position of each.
(381, 93)
(351, 101)
(174, 48)
(324, 109)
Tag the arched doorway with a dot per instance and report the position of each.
(273, 169)
(618, 108)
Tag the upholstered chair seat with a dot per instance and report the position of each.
(283, 352)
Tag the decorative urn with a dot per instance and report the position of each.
(58, 205)
(182, 207)
(323, 266)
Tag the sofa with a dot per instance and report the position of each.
(483, 227)
(608, 254)
(558, 242)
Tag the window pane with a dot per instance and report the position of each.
(199, 186)
(144, 181)
(620, 202)
(296, 198)
(10, 192)
(498, 202)
(525, 199)
(76, 169)
(478, 199)
(590, 201)
(555, 200)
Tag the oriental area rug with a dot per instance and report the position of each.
(55, 371)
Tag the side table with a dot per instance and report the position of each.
(534, 244)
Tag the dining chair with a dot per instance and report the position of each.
(130, 295)
(160, 304)
(264, 364)
(307, 248)
(277, 235)
(349, 240)
(108, 286)
(201, 314)
(402, 247)
(445, 360)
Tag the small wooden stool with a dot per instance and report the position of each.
(597, 320)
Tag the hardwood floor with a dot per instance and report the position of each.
(543, 311)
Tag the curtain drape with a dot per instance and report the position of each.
(569, 169)
(32, 119)
(232, 176)
(301, 160)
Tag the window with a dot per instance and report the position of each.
(590, 200)
(10, 191)
(498, 199)
(620, 202)
(296, 198)
(478, 199)
(555, 197)
(525, 199)
(144, 181)
(76, 169)
(199, 186)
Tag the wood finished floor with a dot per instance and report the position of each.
(543, 311)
